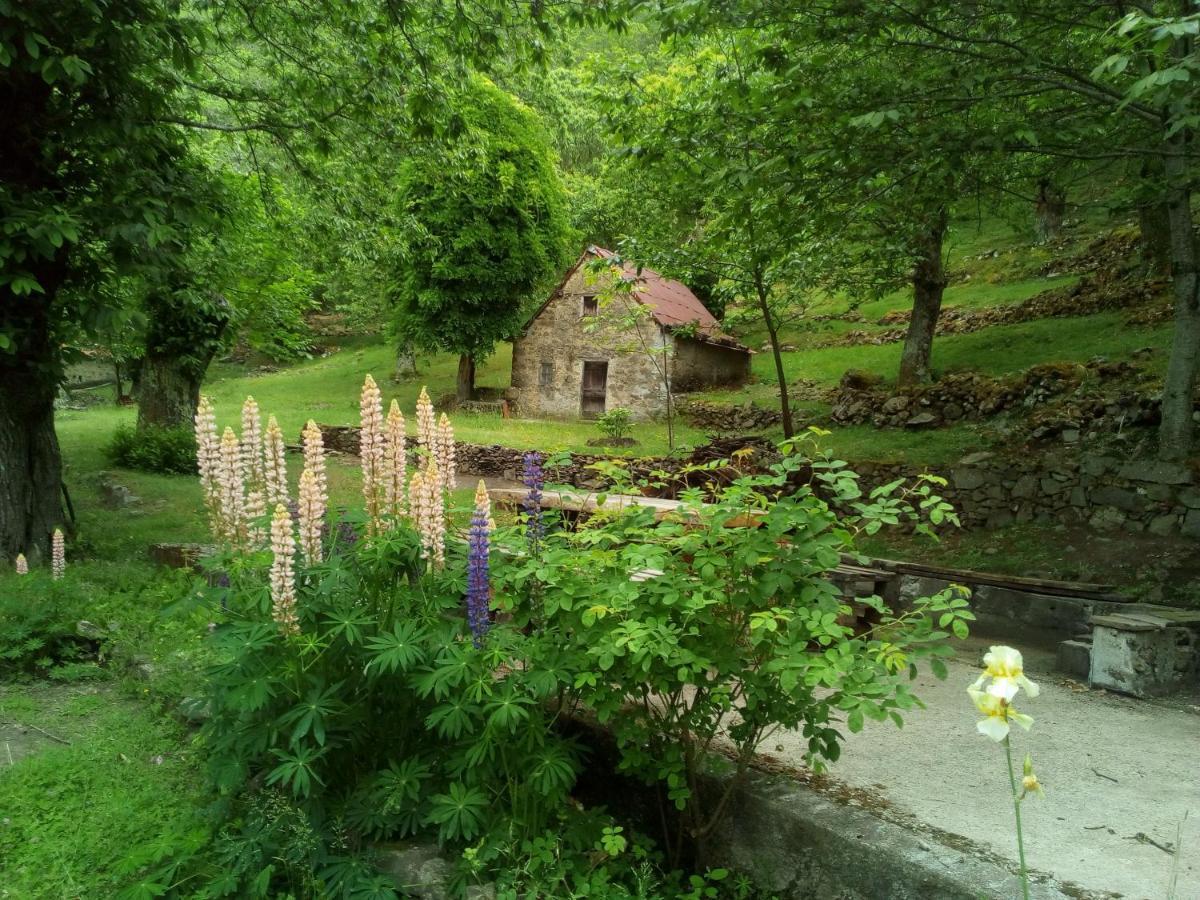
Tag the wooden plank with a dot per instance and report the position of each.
(1033, 585)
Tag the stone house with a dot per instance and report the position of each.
(590, 348)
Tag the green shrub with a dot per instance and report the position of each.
(615, 423)
(384, 716)
(39, 633)
(168, 451)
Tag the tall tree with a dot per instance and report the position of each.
(486, 229)
(85, 187)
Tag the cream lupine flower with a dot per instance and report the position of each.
(1005, 667)
(447, 464)
(426, 427)
(371, 452)
(231, 491)
(283, 575)
(58, 555)
(275, 465)
(312, 517)
(208, 462)
(253, 472)
(314, 455)
(427, 507)
(22, 565)
(395, 462)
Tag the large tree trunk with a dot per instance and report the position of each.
(466, 378)
(170, 392)
(1175, 432)
(929, 283)
(184, 335)
(30, 462)
(1049, 210)
(1154, 223)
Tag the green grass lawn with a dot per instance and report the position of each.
(70, 812)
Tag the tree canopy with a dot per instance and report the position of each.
(485, 228)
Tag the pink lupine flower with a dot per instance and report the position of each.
(314, 455)
(283, 576)
(208, 462)
(232, 491)
(312, 516)
(447, 463)
(426, 427)
(371, 452)
(58, 555)
(253, 469)
(395, 462)
(275, 465)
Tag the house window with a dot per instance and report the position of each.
(546, 374)
(590, 306)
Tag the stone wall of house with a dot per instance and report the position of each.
(698, 365)
(547, 361)
(1103, 492)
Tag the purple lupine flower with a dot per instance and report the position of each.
(534, 478)
(479, 587)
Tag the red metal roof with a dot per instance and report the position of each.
(671, 302)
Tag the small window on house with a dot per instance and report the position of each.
(590, 306)
(546, 375)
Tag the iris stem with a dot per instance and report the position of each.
(1016, 798)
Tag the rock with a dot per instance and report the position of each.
(1107, 518)
(895, 405)
(1121, 499)
(1070, 436)
(1024, 487)
(975, 459)
(418, 870)
(859, 380)
(1190, 497)
(1000, 518)
(92, 632)
(969, 479)
(1078, 497)
(1191, 524)
(1097, 465)
(114, 495)
(921, 420)
(1157, 472)
(1163, 525)
(194, 710)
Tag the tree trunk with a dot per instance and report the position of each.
(184, 335)
(1154, 222)
(170, 392)
(1175, 432)
(1049, 210)
(785, 403)
(466, 378)
(929, 283)
(406, 362)
(30, 461)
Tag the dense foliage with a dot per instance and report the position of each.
(374, 704)
(169, 451)
(486, 226)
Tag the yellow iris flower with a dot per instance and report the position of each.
(1005, 667)
(998, 713)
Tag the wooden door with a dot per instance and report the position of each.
(595, 386)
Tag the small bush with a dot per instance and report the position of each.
(38, 635)
(614, 424)
(168, 451)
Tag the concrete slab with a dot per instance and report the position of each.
(1119, 776)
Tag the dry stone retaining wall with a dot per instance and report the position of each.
(1104, 492)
